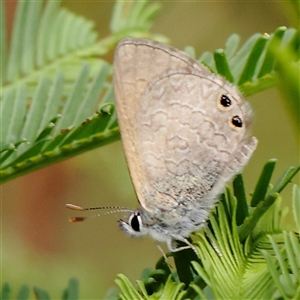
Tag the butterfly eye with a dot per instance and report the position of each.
(135, 222)
(225, 101)
(237, 121)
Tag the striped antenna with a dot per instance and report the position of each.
(113, 209)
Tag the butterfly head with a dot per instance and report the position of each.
(134, 225)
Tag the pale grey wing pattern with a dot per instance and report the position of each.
(187, 142)
(137, 63)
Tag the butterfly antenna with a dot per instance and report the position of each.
(113, 209)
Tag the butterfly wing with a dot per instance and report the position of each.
(178, 139)
(138, 62)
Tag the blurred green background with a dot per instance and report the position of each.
(40, 247)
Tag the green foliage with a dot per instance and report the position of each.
(253, 66)
(57, 97)
(261, 263)
(69, 293)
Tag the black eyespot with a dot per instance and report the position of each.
(134, 223)
(225, 101)
(237, 121)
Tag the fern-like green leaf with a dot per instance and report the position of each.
(6, 291)
(128, 291)
(41, 294)
(170, 290)
(284, 267)
(240, 194)
(296, 206)
(133, 15)
(24, 292)
(263, 182)
(72, 291)
(56, 86)
(252, 67)
(269, 199)
(264, 265)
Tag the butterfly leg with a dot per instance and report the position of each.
(171, 243)
(164, 256)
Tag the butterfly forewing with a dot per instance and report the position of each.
(137, 63)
